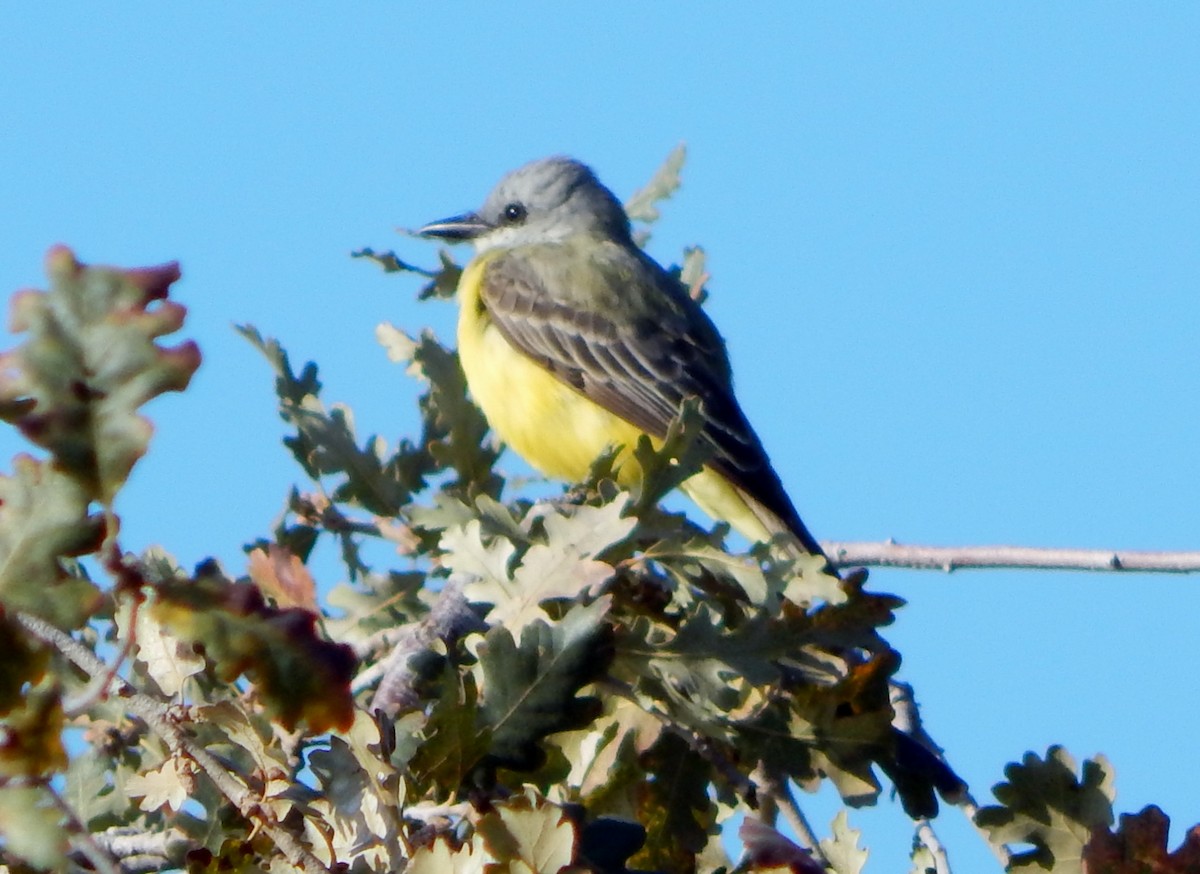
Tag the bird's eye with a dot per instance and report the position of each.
(514, 214)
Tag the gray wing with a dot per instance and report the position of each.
(638, 362)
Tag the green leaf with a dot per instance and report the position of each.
(807, 580)
(666, 465)
(841, 847)
(1046, 805)
(699, 672)
(389, 262)
(692, 275)
(703, 564)
(32, 827)
(603, 756)
(545, 574)
(562, 568)
(454, 429)
(444, 282)
(444, 511)
(325, 443)
(89, 361)
(439, 858)
(44, 519)
(21, 661)
(90, 781)
(674, 807)
(585, 531)
(665, 182)
(467, 552)
(848, 726)
(168, 661)
(525, 834)
(249, 736)
(360, 820)
(168, 785)
(32, 744)
(530, 689)
(378, 602)
(454, 741)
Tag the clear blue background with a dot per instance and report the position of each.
(953, 246)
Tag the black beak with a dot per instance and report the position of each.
(459, 228)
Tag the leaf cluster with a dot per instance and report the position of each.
(89, 358)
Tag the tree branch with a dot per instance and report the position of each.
(794, 814)
(952, 558)
(163, 721)
(929, 839)
(141, 852)
(450, 617)
(85, 843)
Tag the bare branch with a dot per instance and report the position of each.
(140, 852)
(952, 558)
(970, 809)
(99, 685)
(450, 618)
(929, 839)
(85, 844)
(794, 814)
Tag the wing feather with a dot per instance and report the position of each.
(638, 356)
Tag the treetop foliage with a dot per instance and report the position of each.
(582, 683)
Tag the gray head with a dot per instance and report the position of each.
(545, 200)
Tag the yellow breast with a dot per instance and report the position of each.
(553, 427)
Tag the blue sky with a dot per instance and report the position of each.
(954, 254)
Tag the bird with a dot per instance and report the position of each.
(574, 341)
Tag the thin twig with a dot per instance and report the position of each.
(930, 841)
(380, 640)
(87, 847)
(952, 558)
(142, 851)
(427, 812)
(969, 809)
(162, 720)
(98, 687)
(794, 814)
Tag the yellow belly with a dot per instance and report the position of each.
(555, 428)
(549, 424)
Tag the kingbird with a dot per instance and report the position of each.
(573, 341)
